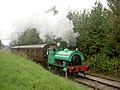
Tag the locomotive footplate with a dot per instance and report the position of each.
(78, 69)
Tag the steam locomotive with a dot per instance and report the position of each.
(68, 61)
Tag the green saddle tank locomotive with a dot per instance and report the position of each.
(69, 61)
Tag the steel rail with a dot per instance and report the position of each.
(98, 83)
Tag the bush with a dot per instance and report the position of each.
(102, 63)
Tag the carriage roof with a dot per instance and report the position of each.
(32, 46)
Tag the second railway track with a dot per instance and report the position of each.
(98, 83)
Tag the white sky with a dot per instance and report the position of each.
(15, 10)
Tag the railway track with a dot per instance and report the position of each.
(98, 83)
(95, 82)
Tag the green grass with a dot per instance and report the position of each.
(17, 73)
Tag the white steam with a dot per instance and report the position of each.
(47, 23)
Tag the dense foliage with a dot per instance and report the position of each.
(99, 37)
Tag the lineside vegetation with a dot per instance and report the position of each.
(99, 38)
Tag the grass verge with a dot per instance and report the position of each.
(17, 73)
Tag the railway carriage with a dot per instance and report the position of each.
(35, 52)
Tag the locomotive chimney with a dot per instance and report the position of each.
(58, 44)
(76, 49)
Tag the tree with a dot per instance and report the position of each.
(80, 22)
(13, 43)
(114, 21)
(29, 36)
(1, 44)
(98, 28)
(92, 29)
(63, 44)
(99, 38)
(54, 10)
(51, 38)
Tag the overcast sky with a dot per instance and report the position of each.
(12, 11)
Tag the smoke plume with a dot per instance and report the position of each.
(47, 23)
